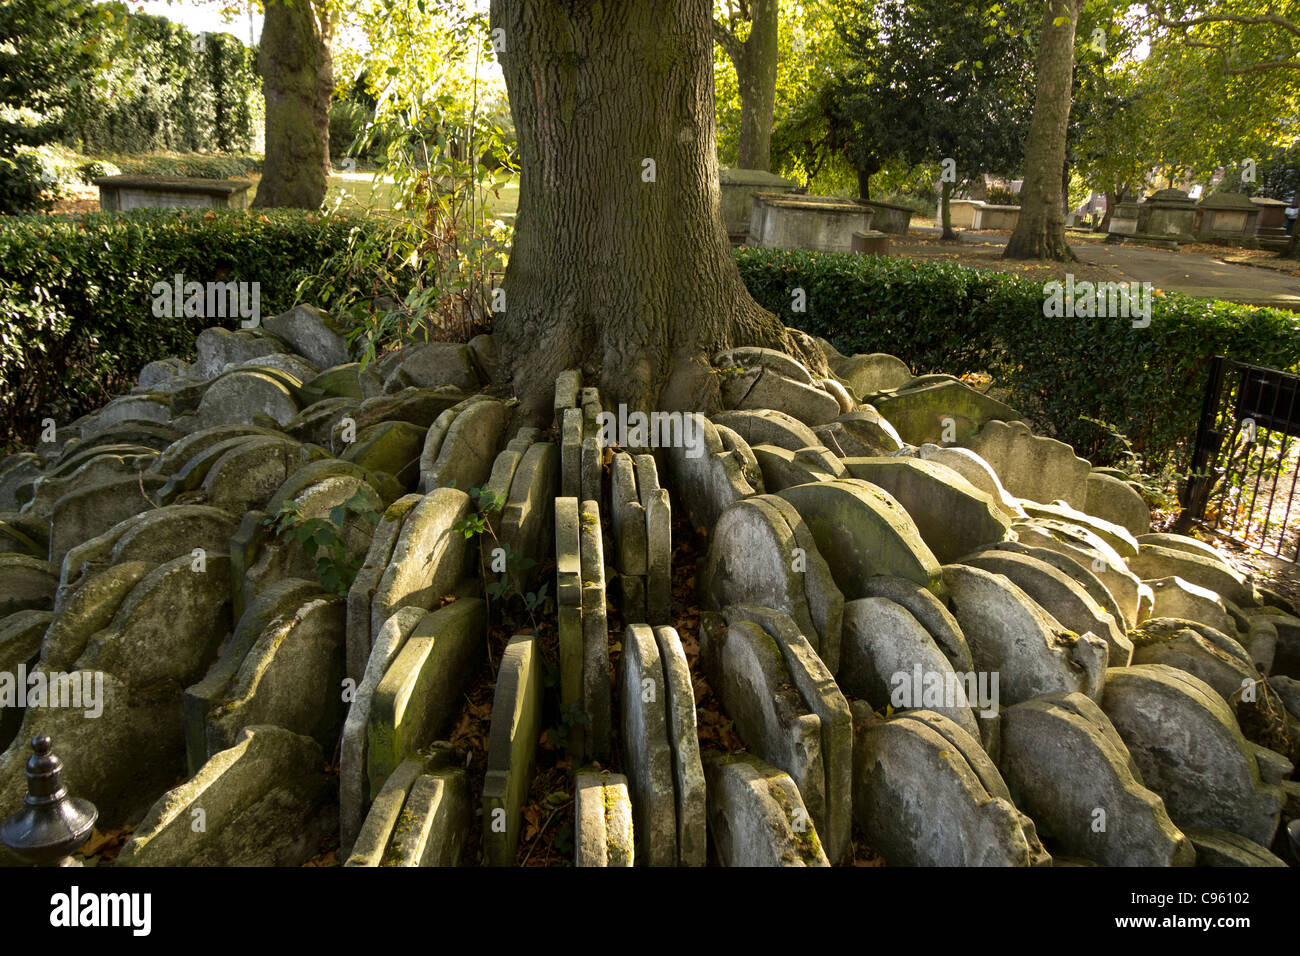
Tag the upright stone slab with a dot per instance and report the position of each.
(1154, 561)
(290, 678)
(271, 609)
(428, 557)
(434, 823)
(438, 364)
(393, 447)
(168, 627)
(755, 557)
(925, 794)
(939, 409)
(769, 427)
(683, 738)
(354, 787)
(238, 396)
(311, 333)
(861, 530)
(1075, 777)
(757, 816)
(930, 612)
(596, 690)
(265, 802)
(821, 695)
(591, 482)
(1010, 634)
(371, 843)
(888, 657)
(26, 584)
(975, 470)
(876, 372)
(1114, 535)
(752, 682)
(366, 582)
(246, 476)
(1117, 501)
(647, 753)
(568, 591)
(1059, 596)
(603, 830)
(119, 749)
(87, 512)
(1186, 743)
(571, 453)
(659, 551)
(1201, 651)
(1175, 597)
(706, 478)
(952, 515)
(512, 748)
(1031, 466)
(1091, 553)
(422, 690)
(526, 522)
(466, 454)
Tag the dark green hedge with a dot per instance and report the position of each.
(165, 88)
(76, 320)
(941, 317)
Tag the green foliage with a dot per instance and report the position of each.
(48, 55)
(23, 185)
(941, 317)
(928, 80)
(193, 165)
(503, 580)
(76, 322)
(324, 540)
(1002, 196)
(162, 87)
(427, 267)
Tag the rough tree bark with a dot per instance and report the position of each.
(620, 264)
(297, 80)
(755, 60)
(1040, 231)
(945, 210)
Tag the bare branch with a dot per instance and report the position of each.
(727, 40)
(1266, 19)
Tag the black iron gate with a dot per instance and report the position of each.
(1244, 465)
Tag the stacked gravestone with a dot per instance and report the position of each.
(420, 817)
(787, 709)
(641, 526)
(603, 829)
(422, 689)
(512, 748)
(757, 816)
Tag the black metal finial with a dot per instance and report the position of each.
(51, 824)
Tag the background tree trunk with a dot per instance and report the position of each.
(755, 61)
(620, 265)
(1040, 232)
(298, 79)
(1112, 200)
(945, 209)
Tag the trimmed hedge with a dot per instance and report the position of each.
(76, 320)
(941, 317)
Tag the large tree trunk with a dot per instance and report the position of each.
(755, 60)
(297, 80)
(1040, 232)
(620, 264)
